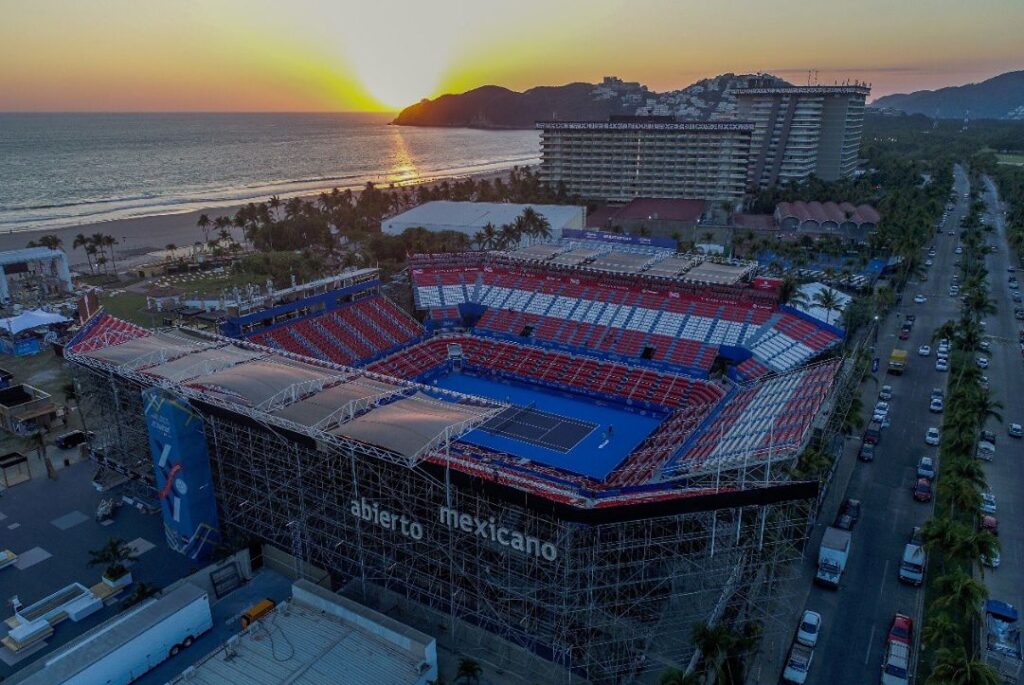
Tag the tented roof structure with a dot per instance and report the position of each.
(394, 419)
(28, 320)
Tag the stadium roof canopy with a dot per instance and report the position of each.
(470, 217)
(718, 273)
(328, 402)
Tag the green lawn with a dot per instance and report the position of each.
(128, 306)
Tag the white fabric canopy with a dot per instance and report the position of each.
(32, 319)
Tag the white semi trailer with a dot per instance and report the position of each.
(129, 645)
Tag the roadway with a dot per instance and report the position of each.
(1006, 374)
(856, 617)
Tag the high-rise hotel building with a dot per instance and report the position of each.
(802, 130)
(629, 157)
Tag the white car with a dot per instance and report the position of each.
(798, 664)
(1016, 430)
(988, 503)
(983, 382)
(982, 362)
(920, 299)
(885, 393)
(935, 406)
(924, 351)
(941, 365)
(928, 262)
(810, 628)
(959, 250)
(985, 345)
(932, 437)
(881, 411)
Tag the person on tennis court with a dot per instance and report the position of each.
(611, 431)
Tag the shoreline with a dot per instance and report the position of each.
(138, 235)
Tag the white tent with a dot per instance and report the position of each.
(32, 319)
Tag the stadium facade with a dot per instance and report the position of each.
(389, 479)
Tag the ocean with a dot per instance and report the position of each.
(61, 170)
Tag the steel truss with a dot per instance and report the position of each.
(619, 600)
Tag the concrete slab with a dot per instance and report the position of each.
(69, 520)
(140, 546)
(31, 557)
(14, 526)
(13, 658)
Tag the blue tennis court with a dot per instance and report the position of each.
(553, 428)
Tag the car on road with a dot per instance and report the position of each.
(935, 406)
(920, 299)
(904, 333)
(983, 382)
(987, 436)
(988, 503)
(928, 262)
(982, 362)
(1017, 297)
(941, 364)
(926, 468)
(885, 393)
(989, 523)
(1014, 285)
(986, 451)
(901, 629)
(873, 433)
(924, 351)
(881, 409)
(867, 452)
(848, 515)
(923, 490)
(958, 250)
(810, 628)
(1015, 430)
(984, 345)
(798, 664)
(931, 437)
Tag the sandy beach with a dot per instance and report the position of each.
(137, 236)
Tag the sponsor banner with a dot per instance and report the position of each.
(620, 238)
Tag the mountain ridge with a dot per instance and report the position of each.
(497, 107)
(999, 97)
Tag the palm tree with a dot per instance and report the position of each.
(675, 676)
(114, 554)
(469, 670)
(713, 643)
(940, 630)
(51, 242)
(959, 593)
(953, 666)
(829, 300)
(82, 241)
(961, 495)
(204, 224)
(274, 203)
(487, 237)
(109, 241)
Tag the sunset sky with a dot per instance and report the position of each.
(341, 55)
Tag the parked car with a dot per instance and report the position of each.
(931, 437)
(993, 561)
(988, 436)
(986, 451)
(1016, 296)
(904, 333)
(1015, 430)
(798, 664)
(942, 364)
(924, 351)
(848, 515)
(920, 299)
(990, 523)
(885, 393)
(810, 628)
(902, 629)
(984, 345)
(988, 503)
(926, 468)
(867, 452)
(72, 439)
(935, 406)
(881, 411)
(982, 362)
(923, 490)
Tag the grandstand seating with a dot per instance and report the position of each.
(772, 415)
(681, 329)
(110, 331)
(561, 370)
(348, 335)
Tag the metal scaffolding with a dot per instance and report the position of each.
(605, 593)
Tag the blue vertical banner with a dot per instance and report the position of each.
(184, 482)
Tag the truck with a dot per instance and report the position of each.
(1002, 639)
(128, 645)
(897, 362)
(912, 564)
(896, 663)
(832, 556)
